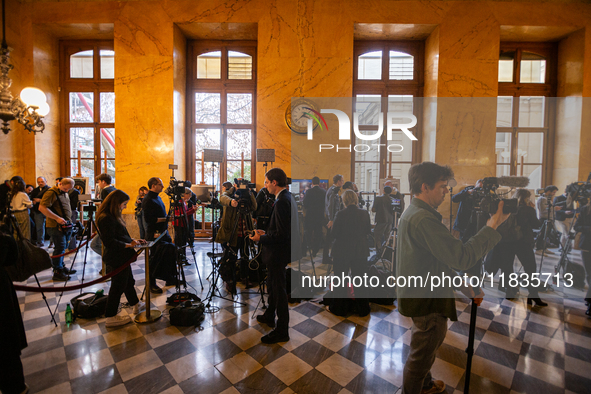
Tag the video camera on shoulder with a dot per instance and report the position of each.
(486, 200)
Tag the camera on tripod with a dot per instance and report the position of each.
(486, 200)
(579, 192)
(176, 188)
(243, 192)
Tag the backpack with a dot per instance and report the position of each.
(510, 229)
(88, 305)
(187, 314)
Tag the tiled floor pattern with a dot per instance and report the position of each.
(517, 349)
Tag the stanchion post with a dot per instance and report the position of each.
(149, 315)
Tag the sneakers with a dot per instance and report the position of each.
(263, 319)
(137, 308)
(117, 320)
(275, 337)
(438, 387)
(60, 276)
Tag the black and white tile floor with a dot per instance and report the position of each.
(517, 349)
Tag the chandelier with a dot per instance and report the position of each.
(30, 108)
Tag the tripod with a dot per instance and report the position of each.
(181, 224)
(566, 249)
(12, 226)
(546, 228)
(86, 235)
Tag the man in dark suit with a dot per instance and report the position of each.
(314, 206)
(280, 245)
(382, 206)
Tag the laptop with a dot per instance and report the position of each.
(151, 243)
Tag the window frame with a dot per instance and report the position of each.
(386, 87)
(224, 86)
(516, 89)
(95, 85)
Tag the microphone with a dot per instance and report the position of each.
(511, 181)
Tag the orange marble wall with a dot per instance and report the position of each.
(144, 96)
(46, 58)
(305, 48)
(179, 99)
(571, 52)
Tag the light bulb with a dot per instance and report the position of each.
(43, 109)
(33, 96)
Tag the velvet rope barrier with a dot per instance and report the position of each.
(80, 286)
(73, 250)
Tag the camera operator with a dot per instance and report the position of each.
(280, 245)
(382, 206)
(546, 212)
(55, 205)
(353, 187)
(333, 205)
(182, 232)
(583, 225)
(314, 218)
(74, 195)
(139, 214)
(233, 226)
(265, 201)
(564, 216)
(466, 221)
(156, 223)
(38, 217)
(426, 245)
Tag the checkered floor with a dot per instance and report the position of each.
(517, 349)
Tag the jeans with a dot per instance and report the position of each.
(140, 224)
(427, 335)
(60, 240)
(121, 283)
(39, 225)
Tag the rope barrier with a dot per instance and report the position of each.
(80, 286)
(74, 250)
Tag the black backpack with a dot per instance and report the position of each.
(88, 305)
(187, 314)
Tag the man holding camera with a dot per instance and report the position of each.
(55, 205)
(237, 199)
(280, 245)
(427, 247)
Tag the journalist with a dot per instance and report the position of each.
(139, 214)
(20, 204)
(265, 201)
(382, 207)
(564, 216)
(38, 217)
(118, 249)
(104, 185)
(583, 225)
(332, 205)
(55, 205)
(233, 227)
(350, 251)
(280, 245)
(314, 219)
(425, 245)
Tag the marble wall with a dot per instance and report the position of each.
(305, 48)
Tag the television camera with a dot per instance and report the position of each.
(486, 199)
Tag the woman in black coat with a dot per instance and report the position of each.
(583, 225)
(117, 250)
(350, 250)
(12, 330)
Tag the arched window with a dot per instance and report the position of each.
(87, 82)
(523, 116)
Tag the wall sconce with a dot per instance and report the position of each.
(30, 108)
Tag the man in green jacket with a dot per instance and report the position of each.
(426, 247)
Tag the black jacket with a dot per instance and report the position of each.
(583, 225)
(464, 214)
(382, 206)
(106, 191)
(38, 193)
(314, 205)
(281, 242)
(12, 330)
(350, 230)
(527, 219)
(153, 208)
(114, 236)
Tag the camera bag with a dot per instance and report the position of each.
(89, 305)
(187, 314)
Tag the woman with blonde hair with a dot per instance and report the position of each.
(118, 248)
